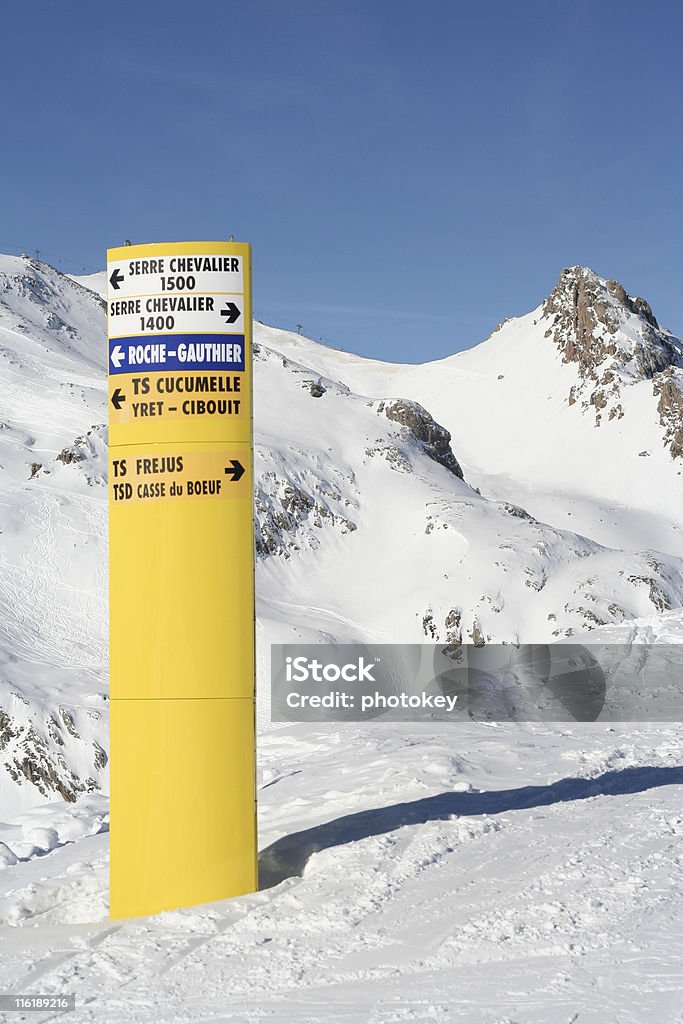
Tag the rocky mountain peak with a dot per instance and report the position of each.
(615, 341)
(593, 320)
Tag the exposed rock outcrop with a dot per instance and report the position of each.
(615, 341)
(38, 758)
(291, 511)
(668, 387)
(421, 427)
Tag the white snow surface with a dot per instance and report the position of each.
(513, 874)
(96, 282)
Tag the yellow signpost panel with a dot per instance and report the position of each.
(183, 812)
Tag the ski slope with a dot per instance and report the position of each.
(523, 874)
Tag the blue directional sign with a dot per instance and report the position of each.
(152, 353)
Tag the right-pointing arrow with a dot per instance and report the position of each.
(117, 356)
(231, 312)
(235, 470)
(118, 398)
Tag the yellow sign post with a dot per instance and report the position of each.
(183, 811)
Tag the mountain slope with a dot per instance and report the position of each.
(573, 410)
(367, 527)
(403, 866)
(53, 520)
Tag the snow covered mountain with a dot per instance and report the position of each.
(53, 647)
(527, 489)
(573, 410)
(499, 495)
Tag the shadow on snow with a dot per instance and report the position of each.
(288, 856)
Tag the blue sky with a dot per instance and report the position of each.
(408, 174)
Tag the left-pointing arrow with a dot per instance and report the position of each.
(116, 279)
(118, 398)
(235, 470)
(117, 356)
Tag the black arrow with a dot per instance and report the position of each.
(235, 470)
(116, 279)
(231, 312)
(118, 398)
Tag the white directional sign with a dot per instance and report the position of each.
(167, 275)
(179, 314)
